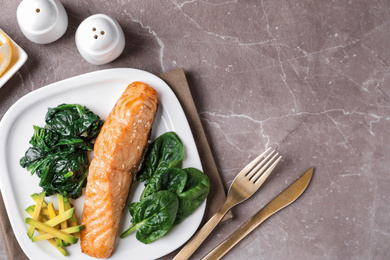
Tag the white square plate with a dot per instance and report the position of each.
(98, 91)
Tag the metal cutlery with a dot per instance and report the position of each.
(284, 199)
(246, 183)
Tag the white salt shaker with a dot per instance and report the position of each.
(42, 21)
(100, 39)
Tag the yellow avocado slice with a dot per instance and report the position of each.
(60, 218)
(48, 229)
(35, 197)
(53, 214)
(69, 230)
(37, 212)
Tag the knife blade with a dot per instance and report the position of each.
(285, 198)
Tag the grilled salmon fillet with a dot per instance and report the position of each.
(117, 153)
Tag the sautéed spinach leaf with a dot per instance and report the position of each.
(58, 155)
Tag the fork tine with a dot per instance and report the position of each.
(253, 172)
(259, 180)
(253, 163)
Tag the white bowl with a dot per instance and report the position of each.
(100, 39)
(19, 57)
(42, 21)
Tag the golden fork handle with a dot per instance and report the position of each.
(219, 251)
(202, 234)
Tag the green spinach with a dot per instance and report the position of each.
(133, 208)
(154, 216)
(165, 152)
(58, 155)
(195, 192)
(173, 179)
(190, 185)
(161, 173)
(74, 120)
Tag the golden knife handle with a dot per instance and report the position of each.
(202, 234)
(237, 236)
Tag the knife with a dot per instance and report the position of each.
(284, 199)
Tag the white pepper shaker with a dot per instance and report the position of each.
(42, 21)
(100, 39)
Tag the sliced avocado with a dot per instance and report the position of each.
(60, 218)
(53, 243)
(37, 212)
(35, 197)
(53, 214)
(67, 206)
(30, 211)
(69, 230)
(48, 229)
(61, 209)
(73, 220)
(60, 249)
(44, 210)
(43, 237)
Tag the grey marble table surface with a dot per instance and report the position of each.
(308, 78)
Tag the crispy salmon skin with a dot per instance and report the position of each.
(117, 153)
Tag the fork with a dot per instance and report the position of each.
(246, 183)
